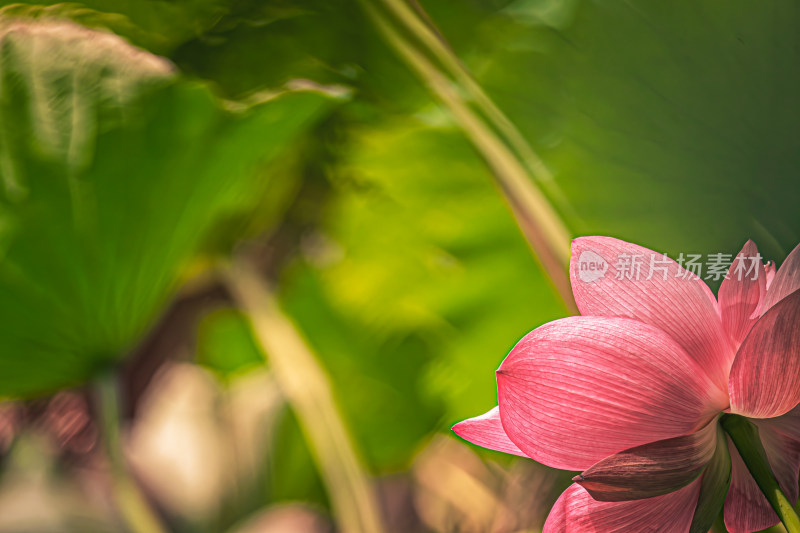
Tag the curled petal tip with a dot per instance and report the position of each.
(487, 431)
(458, 429)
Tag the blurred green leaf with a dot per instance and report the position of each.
(112, 172)
(225, 344)
(329, 42)
(416, 286)
(671, 125)
(291, 472)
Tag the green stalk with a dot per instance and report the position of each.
(419, 24)
(131, 503)
(546, 232)
(306, 385)
(744, 435)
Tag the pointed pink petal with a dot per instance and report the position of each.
(741, 292)
(579, 389)
(746, 508)
(487, 431)
(765, 376)
(785, 282)
(769, 268)
(672, 300)
(651, 469)
(576, 512)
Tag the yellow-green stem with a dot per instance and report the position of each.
(541, 224)
(306, 386)
(432, 41)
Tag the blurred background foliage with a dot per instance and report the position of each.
(292, 134)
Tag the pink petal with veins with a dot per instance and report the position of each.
(651, 469)
(576, 512)
(673, 300)
(765, 376)
(487, 431)
(576, 390)
(785, 282)
(741, 293)
(788, 424)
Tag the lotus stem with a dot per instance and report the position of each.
(308, 388)
(540, 223)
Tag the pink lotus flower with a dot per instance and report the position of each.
(631, 392)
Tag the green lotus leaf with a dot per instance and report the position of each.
(112, 170)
